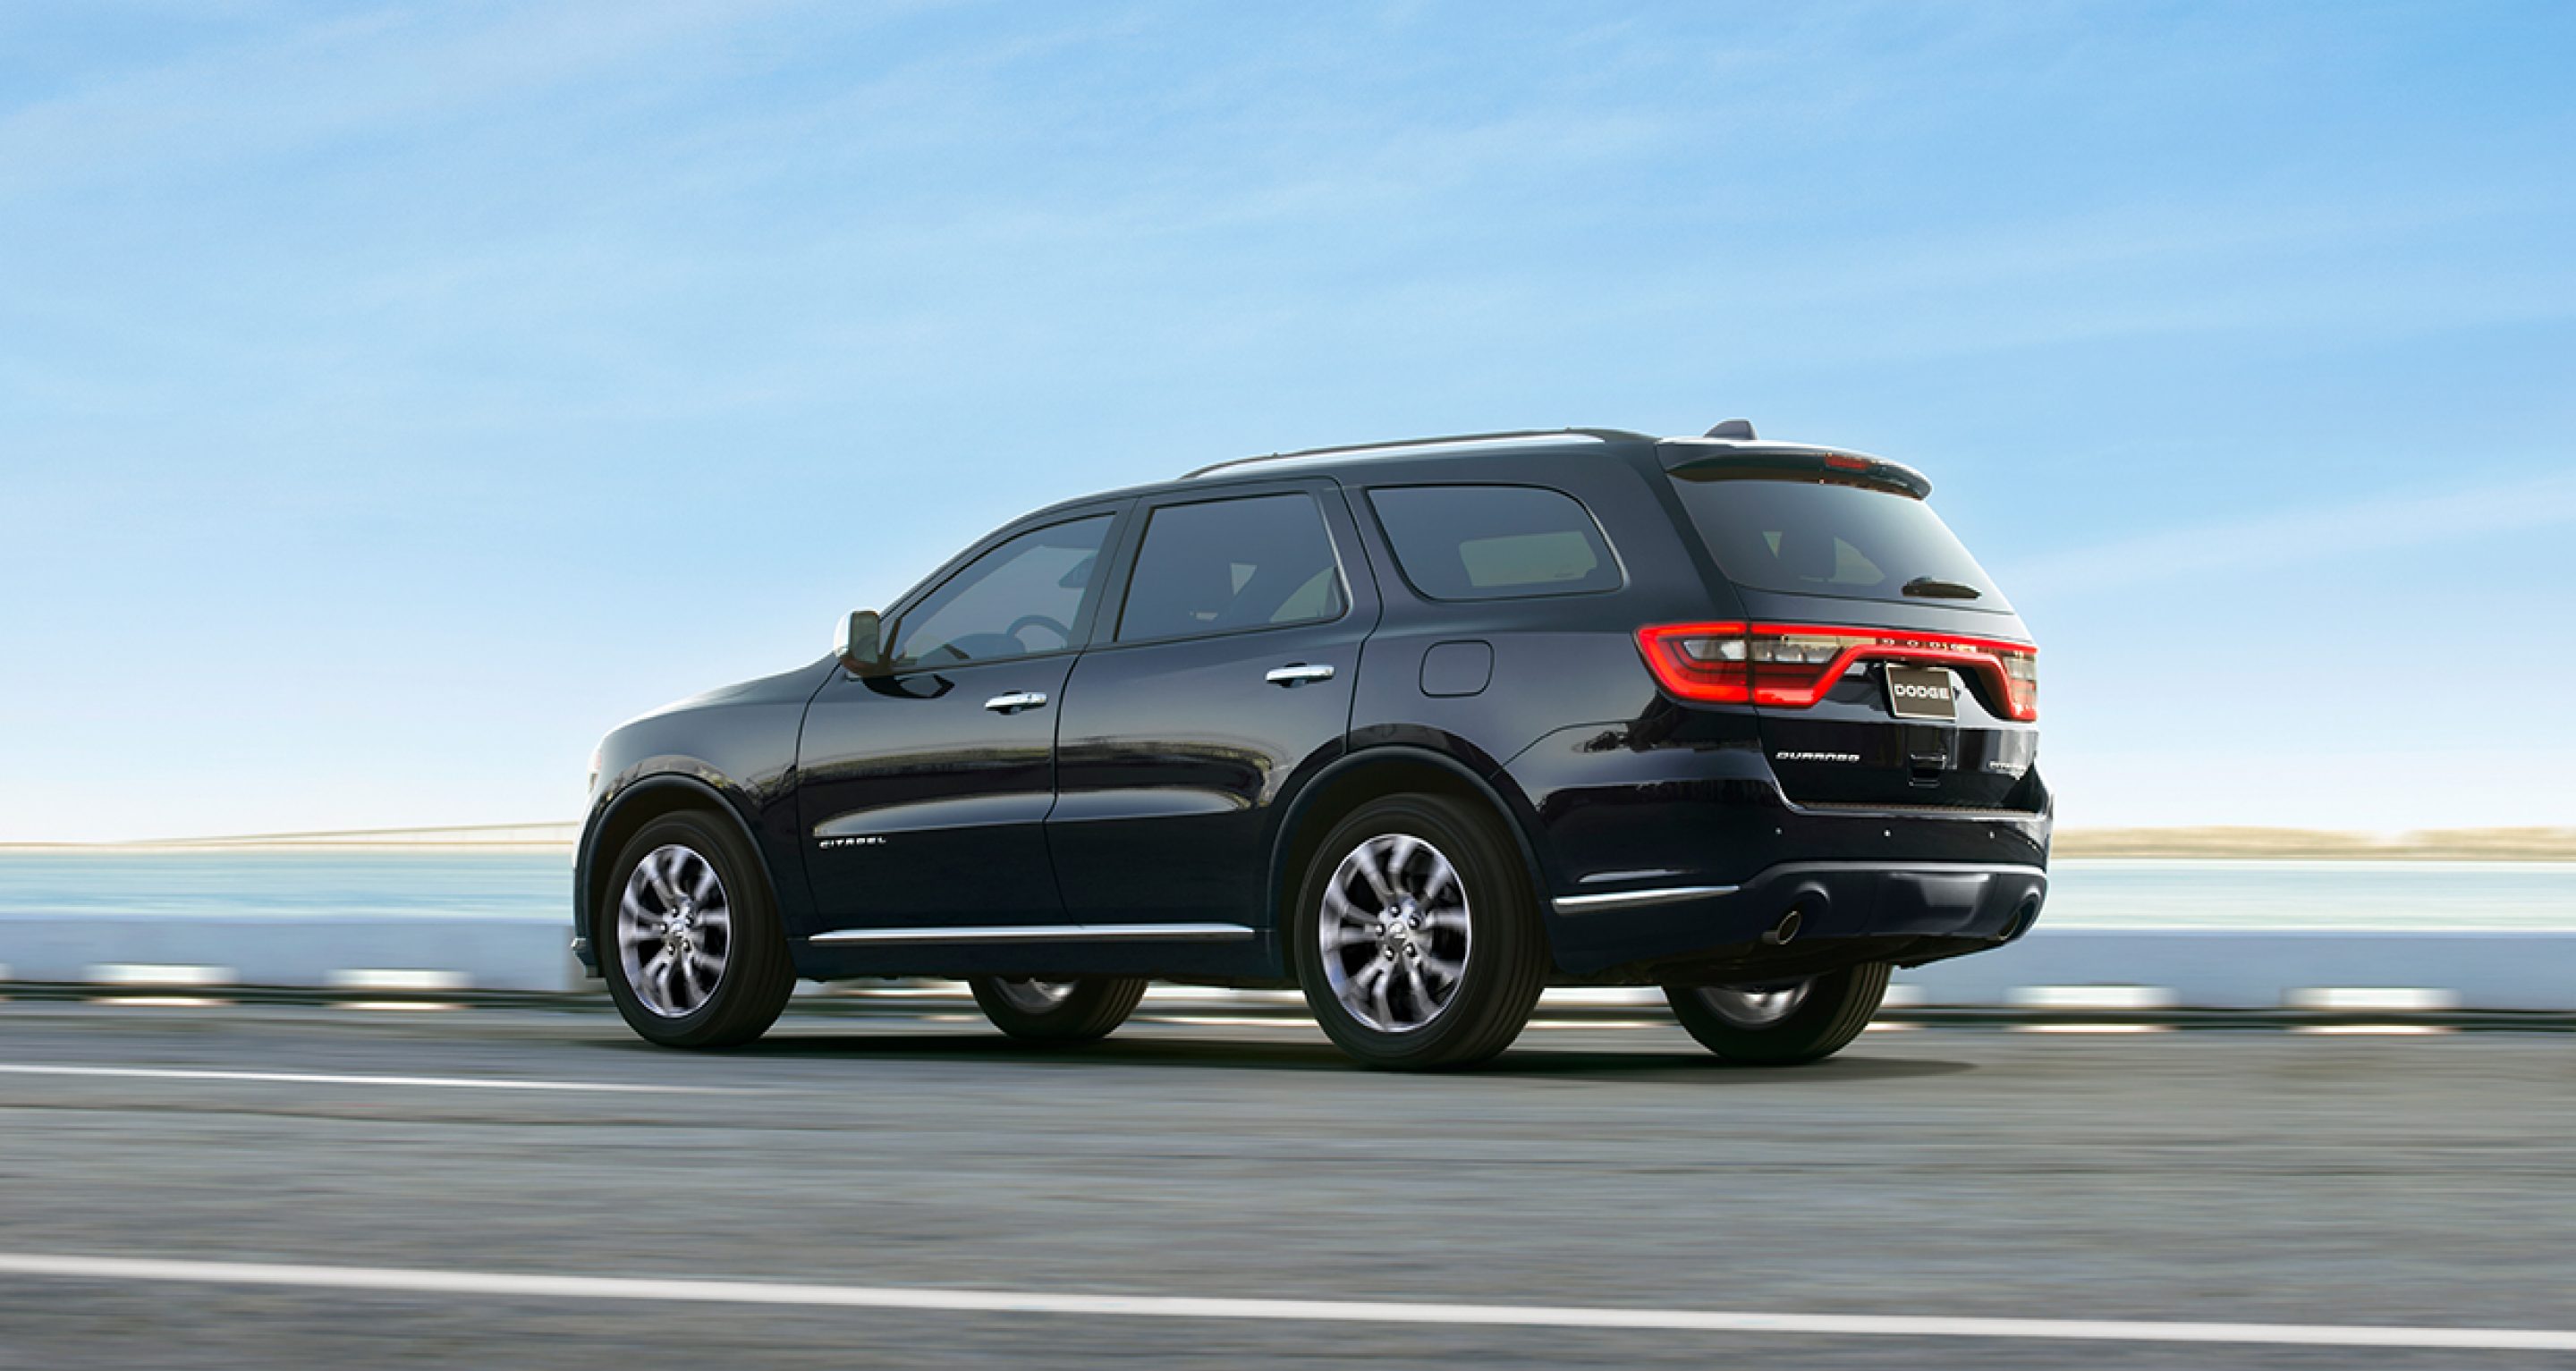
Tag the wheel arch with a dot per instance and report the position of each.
(639, 803)
(1370, 774)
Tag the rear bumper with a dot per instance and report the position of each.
(1832, 913)
(1671, 863)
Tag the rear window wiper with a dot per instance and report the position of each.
(1934, 588)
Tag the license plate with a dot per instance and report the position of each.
(1915, 692)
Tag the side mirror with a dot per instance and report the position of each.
(858, 644)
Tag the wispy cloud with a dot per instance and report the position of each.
(349, 76)
(2383, 523)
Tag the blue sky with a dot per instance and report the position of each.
(394, 399)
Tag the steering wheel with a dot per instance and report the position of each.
(1040, 621)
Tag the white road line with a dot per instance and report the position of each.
(156, 1073)
(517, 1285)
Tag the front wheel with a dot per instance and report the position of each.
(692, 948)
(1417, 937)
(1782, 1023)
(1078, 1009)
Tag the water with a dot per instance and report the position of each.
(2214, 893)
(503, 885)
(537, 886)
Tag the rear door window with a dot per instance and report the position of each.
(1220, 566)
(1494, 542)
(1825, 538)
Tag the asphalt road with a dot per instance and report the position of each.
(2197, 1176)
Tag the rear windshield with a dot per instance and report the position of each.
(1815, 538)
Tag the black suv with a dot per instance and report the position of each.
(1419, 727)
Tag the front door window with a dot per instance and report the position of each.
(1020, 599)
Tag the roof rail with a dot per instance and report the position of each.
(1423, 446)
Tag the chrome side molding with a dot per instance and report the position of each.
(1636, 899)
(1040, 933)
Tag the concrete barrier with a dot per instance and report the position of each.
(2260, 969)
(2053, 970)
(481, 954)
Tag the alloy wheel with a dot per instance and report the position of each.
(1395, 933)
(674, 931)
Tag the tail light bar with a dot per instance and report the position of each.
(1794, 665)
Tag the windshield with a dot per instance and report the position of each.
(1818, 538)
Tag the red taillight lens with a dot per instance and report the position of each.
(1794, 665)
(2021, 679)
(1699, 661)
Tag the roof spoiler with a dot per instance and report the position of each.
(1707, 459)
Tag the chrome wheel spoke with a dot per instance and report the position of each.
(1377, 992)
(1338, 904)
(1400, 852)
(658, 871)
(1361, 989)
(1423, 1001)
(1453, 918)
(1036, 996)
(1443, 878)
(1755, 1006)
(1372, 869)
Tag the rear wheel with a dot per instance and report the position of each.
(1076, 1009)
(1416, 935)
(692, 949)
(1782, 1023)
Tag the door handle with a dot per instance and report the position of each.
(1015, 702)
(1294, 676)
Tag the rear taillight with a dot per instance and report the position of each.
(1700, 661)
(1793, 665)
(2021, 679)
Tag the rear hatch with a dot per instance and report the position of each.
(1886, 668)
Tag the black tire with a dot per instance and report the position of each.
(1833, 1010)
(1504, 955)
(754, 976)
(1077, 1009)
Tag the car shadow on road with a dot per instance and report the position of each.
(903, 1044)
